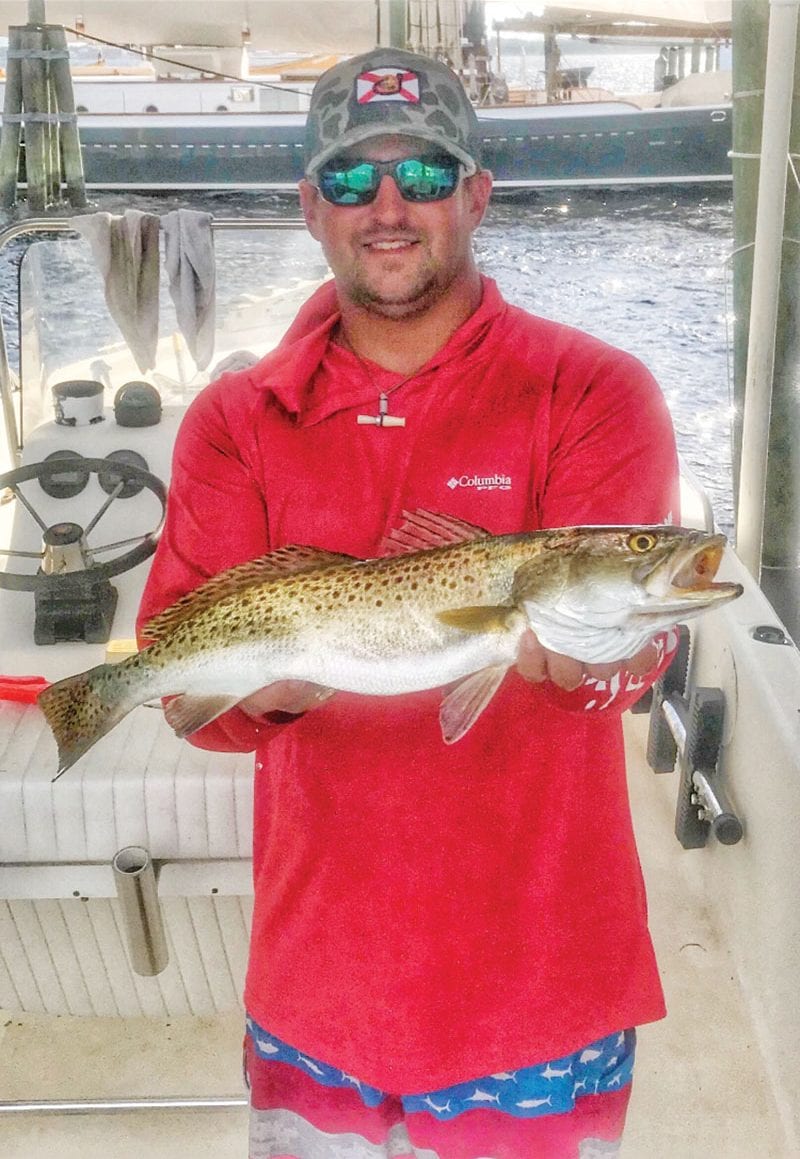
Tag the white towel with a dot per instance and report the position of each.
(189, 262)
(237, 360)
(125, 250)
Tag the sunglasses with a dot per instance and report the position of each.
(420, 179)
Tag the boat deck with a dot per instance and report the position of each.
(700, 1088)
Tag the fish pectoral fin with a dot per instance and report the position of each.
(463, 705)
(186, 714)
(481, 618)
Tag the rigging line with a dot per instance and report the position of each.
(728, 316)
(740, 249)
(728, 308)
(261, 84)
(793, 168)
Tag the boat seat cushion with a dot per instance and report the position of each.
(139, 785)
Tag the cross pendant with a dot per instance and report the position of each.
(382, 418)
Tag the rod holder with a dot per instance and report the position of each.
(137, 890)
(714, 808)
(686, 726)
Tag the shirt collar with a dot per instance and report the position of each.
(288, 371)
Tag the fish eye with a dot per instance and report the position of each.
(642, 541)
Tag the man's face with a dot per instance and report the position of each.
(395, 257)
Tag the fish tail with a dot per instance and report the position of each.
(82, 708)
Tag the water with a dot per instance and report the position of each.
(621, 71)
(644, 270)
(647, 272)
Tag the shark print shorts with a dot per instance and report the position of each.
(570, 1108)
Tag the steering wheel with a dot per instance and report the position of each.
(119, 479)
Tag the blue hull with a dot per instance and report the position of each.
(588, 145)
(651, 146)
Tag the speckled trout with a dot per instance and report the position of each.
(447, 605)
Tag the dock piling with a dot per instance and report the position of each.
(39, 142)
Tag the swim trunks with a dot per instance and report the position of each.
(569, 1108)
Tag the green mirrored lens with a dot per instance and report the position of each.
(421, 180)
(352, 186)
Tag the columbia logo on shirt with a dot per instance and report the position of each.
(495, 482)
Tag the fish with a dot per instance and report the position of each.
(482, 1097)
(445, 605)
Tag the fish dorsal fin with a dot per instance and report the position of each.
(422, 530)
(275, 565)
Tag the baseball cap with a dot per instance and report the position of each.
(389, 91)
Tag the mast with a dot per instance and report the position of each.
(398, 23)
(436, 28)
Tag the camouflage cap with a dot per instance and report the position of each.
(390, 92)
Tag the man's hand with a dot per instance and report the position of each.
(537, 663)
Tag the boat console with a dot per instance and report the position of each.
(81, 507)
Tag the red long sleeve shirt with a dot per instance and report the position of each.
(428, 913)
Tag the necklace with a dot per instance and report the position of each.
(382, 418)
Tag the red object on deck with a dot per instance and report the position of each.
(24, 689)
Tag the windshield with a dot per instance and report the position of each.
(263, 272)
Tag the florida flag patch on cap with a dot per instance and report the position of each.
(387, 84)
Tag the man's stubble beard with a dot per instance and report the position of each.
(430, 285)
(411, 305)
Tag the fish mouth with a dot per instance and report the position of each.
(698, 571)
(689, 576)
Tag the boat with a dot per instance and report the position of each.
(142, 1053)
(714, 776)
(611, 144)
(240, 125)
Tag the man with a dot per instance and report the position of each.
(449, 946)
